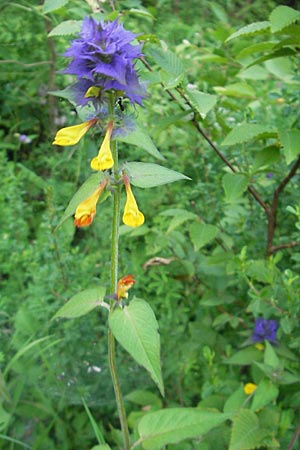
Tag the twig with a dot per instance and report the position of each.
(294, 438)
(12, 61)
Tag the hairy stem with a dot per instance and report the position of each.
(113, 289)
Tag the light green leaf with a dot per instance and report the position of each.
(255, 48)
(167, 60)
(201, 101)
(146, 175)
(250, 30)
(179, 217)
(4, 418)
(234, 185)
(96, 429)
(136, 329)
(270, 357)
(247, 433)
(247, 132)
(52, 5)
(101, 447)
(282, 67)
(236, 90)
(66, 28)
(290, 141)
(282, 17)
(169, 426)
(202, 233)
(144, 398)
(138, 12)
(88, 187)
(141, 139)
(245, 356)
(265, 393)
(82, 303)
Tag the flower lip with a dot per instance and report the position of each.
(86, 210)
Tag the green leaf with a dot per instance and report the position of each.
(290, 140)
(270, 357)
(66, 28)
(136, 329)
(96, 429)
(201, 101)
(169, 426)
(245, 356)
(101, 447)
(202, 233)
(52, 5)
(167, 60)
(265, 158)
(246, 431)
(82, 303)
(255, 48)
(250, 30)
(247, 132)
(236, 90)
(88, 187)
(265, 393)
(141, 139)
(234, 185)
(282, 17)
(179, 217)
(146, 175)
(144, 398)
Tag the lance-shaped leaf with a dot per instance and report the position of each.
(250, 30)
(136, 329)
(141, 139)
(146, 175)
(169, 426)
(82, 303)
(88, 187)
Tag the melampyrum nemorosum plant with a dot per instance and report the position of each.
(103, 58)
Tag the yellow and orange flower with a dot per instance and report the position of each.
(104, 160)
(132, 216)
(86, 210)
(72, 135)
(124, 284)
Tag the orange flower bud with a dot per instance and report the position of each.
(124, 284)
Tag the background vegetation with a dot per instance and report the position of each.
(215, 253)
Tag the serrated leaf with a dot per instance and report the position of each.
(290, 141)
(136, 329)
(283, 16)
(246, 431)
(256, 48)
(52, 5)
(202, 233)
(88, 187)
(283, 52)
(236, 90)
(141, 139)
(265, 393)
(169, 426)
(247, 132)
(250, 30)
(146, 175)
(82, 303)
(66, 28)
(201, 101)
(167, 60)
(234, 186)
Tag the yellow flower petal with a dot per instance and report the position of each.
(132, 216)
(124, 284)
(104, 160)
(93, 91)
(72, 135)
(86, 210)
(249, 388)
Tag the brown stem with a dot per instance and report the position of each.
(273, 208)
(294, 438)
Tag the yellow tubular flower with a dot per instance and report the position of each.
(124, 284)
(104, 159)
(86, 210)
(72, 135)
(132, 216)
(249, 388)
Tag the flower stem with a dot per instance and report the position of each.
(113, 286)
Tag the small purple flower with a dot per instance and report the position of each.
(25, 139)
(265, 330)
(270, 175)
(104, 58)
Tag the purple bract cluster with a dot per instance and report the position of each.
(265, 330)
(104, 58)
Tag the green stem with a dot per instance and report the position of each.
(114, 283)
